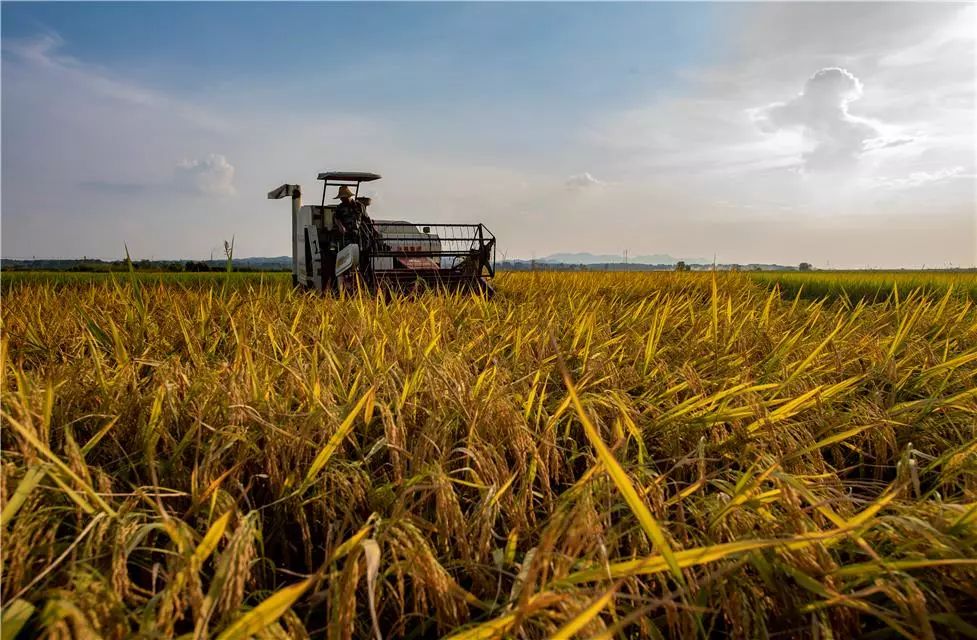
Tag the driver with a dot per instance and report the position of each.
(355, 224)
(348, 211)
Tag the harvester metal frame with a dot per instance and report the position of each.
(344, 178)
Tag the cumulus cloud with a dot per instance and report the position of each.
(210, 176)
(583, 181)
(821, 112)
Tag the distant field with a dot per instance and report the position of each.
(870, 285)
(610, 455)
(855, 285)
(207, 278)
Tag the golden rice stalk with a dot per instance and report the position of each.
(28, 435)
(620, 478)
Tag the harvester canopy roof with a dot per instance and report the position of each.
(348, 176)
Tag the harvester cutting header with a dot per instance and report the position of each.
(337, 246)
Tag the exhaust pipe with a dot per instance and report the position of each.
(295, 191)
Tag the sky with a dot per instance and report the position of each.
(840, 134)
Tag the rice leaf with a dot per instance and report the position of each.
(582, 619)
(13, 617)
(266, 613)
(26, 485)
(333, 443)
(211, 538)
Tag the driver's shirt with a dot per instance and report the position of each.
(348, 213)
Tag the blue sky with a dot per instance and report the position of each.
(538, 51)
(467, 68)
(689, 129)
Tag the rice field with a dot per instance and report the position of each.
(594, 455)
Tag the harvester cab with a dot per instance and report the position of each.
(339, 247)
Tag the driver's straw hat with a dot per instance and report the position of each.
(344, 192)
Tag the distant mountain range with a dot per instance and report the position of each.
(279, 262)
(591, 258)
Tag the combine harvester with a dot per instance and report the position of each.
(338, 247)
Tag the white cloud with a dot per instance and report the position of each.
(583, 181)
(210, 176)
(880, 147)
(918, 178)
(821, 111)
(958, 33)
(43, 54)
